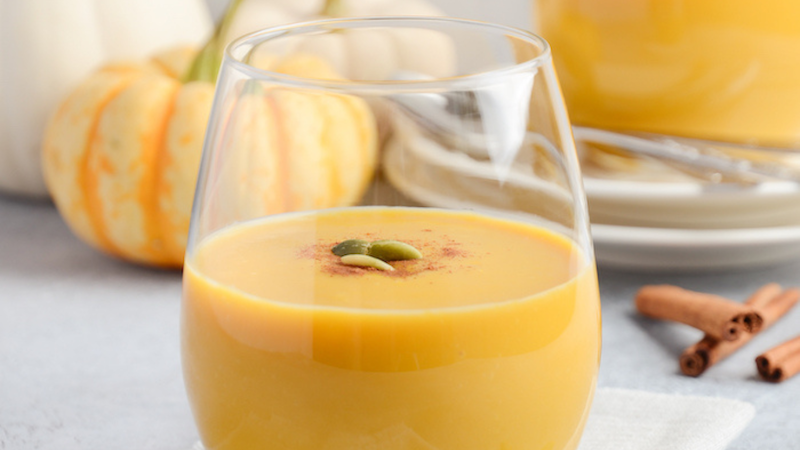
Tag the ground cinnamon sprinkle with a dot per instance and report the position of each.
(405, 269)
(345, 270)
(451, 252)
(306, 252)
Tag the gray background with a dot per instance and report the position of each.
(509, 12)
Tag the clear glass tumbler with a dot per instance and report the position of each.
(389, 245)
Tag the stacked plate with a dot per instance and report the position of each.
(690, 225)
(645, 214)
(677, 224)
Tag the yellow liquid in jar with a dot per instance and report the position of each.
(725, 70)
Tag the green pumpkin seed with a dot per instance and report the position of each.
(351, 247)
(365, 261)
(389, 250)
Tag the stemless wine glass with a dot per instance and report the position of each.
(389, 245)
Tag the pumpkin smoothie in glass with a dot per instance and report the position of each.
(489, 341)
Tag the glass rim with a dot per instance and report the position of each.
(256, 38)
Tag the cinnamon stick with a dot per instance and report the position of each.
(765, 295)
(781, 362)
(769, 302)
(718, 317)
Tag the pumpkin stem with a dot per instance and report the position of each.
(205, 66)
(333, 8)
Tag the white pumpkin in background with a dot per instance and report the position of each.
(362, 55)
(47, 46)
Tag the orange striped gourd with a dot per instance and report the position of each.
(121, 154)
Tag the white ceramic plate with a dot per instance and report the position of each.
(635, 248)
(693, 205)
(734, 226)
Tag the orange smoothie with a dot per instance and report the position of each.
(490, 341)
(723, 70)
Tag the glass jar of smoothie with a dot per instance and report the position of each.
(721, 71)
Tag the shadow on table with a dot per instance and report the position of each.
(36, 244)
(736, 284)
(673, 338)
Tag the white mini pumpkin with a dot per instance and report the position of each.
(366, 54)
(48, 46)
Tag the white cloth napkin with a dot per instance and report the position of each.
(623, 419)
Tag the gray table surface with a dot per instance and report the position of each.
(89, 351)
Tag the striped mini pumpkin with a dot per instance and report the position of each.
(121, 154)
